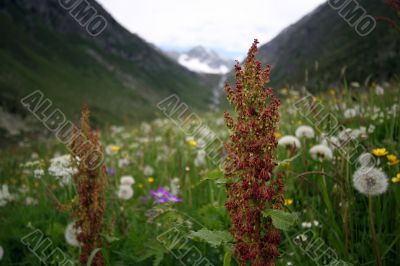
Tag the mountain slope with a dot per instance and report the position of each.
(118, 74)
(323, 47)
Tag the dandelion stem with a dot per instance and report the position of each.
(375, 243)
(312, 173)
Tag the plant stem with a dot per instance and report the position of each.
(373, 233)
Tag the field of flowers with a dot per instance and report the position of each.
(167, 201)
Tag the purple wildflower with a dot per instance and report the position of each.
(111, 171)
(161, 195)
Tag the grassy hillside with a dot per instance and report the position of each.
(119, 75)
(322, 48)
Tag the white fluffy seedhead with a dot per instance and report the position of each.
(370, 181)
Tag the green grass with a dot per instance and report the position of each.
(342, 212)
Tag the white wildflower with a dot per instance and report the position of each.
(144, 140)
(371, 129)
(125, 192)
(127, 180)
(306, 224)
(370, 181)
(148, 170)
(355, 133)
(116, 129)
(124, 162)
(201, 143)
(301, 238)
(350, 113)
(175, 186)
(5, 195)
(379, 90)
(363, 132)
(289, 142)
(145, 128)
(345, 135)
(305, 132)
(200, 158)
(71, 234)
(37, 173)
(62, 167)
(321, 152)
(31, 201)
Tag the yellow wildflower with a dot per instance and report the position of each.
(393, 160)
(150, 179)
(379, 152)
(284, 91)
(278, 135)
(396, 179)
(332, 92)
(191, 141)
(115, 148)
(288, 202)
(140, 185)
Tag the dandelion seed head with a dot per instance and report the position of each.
(289, 142)
(127, 180)
(125, 192)
(71, 234)
(305, 132)
(321, 152)
(370, 181)
(148, 170)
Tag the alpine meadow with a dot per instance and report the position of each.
(171, 133)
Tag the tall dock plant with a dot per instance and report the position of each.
(252, 187)
(90, 182)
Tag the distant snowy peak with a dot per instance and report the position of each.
(202, 66)
(203, 60)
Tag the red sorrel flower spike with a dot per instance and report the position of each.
(91, 182)
(251, 155)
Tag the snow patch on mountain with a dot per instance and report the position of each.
(203, 60)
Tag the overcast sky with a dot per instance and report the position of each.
(227, 26)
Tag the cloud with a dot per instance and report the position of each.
(228, 26)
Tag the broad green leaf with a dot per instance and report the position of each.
(214, 238)
(212, 175)
(281, 219)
